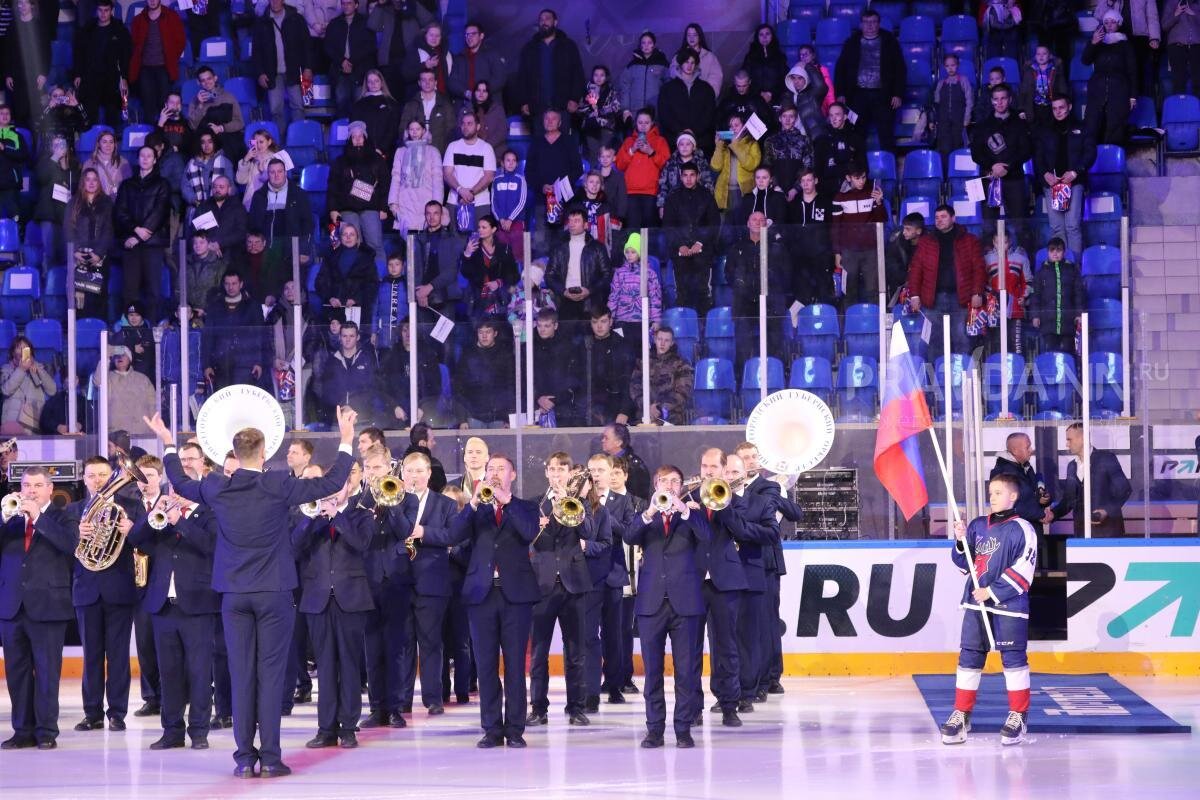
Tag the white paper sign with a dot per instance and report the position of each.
(1102, 205)
(283, 156)
(926, 329)
(964, 208)
(354, 314)
(205, 222)
(135, 139)
(340, 132)
(60, 193)
(216, 49)
(266, 310)
(975, 190)
(921, 208)
(184, 5)
(441, 331)
(851, 116)
(794, 312)
(755, 127)
(21, 281)
(563, 191)
(320, 91)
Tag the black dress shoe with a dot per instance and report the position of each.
(18, 743)
(775, 688)
(437, 711)
(761, 696)
(684, 740)
(516, 741)
(347, 741)
(277, 771)
(244, 771)
(115, 724)
(217, 723)
(745, 707)
(200, 743)
(730, 719)
(319, 741)
(593, 704)
(286, 711)
(406, 709)
(166, 744)
(580, 719)
(462, 699)
(86, 724)
(397, 720)
(48, 744)
(715, 707)
(616, 697)
(652, 741)
(535, 718)
(488, 742)
(629, 688)
(148, 710)
(302, 696)
(699, 720)
(377, 720)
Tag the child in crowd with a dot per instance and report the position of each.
(854, 211)
(391, 304)
(624, 298)
(983, 101)
(952, 110)
(1057, 299)
(509, 193)
(1007, 254)
(1042, 80)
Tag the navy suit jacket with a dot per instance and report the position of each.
(1110, 490)
(669, 570)
(620, 512)
(557, 553)
(598, 550)
(431, 567)
(334, 566)
(253, 552)
(113, 585)
(761, 486)
(382, 560)
(503, 549)
(761, 534)
(185, 549)
(39, 580)
(718, 557)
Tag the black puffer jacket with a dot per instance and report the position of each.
(143, 201)
(359, 164)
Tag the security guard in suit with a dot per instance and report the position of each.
(183, 612)
(389, 625)
(605, 653)
(335, 599)
(104, 605)
(670, 603)
(560, 562)
(500, 590)
(37, 555)
(254, 569)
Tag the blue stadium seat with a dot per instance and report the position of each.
(218, 53)
(993, 382)
(1012, 72)
(719, 333)
(87, 345)
(848, 10)
(959, 365)
(244, 90)
(1107, 173)
(812, 374)
(304, 142)
(809, 11)
(891, 12)
(930, 8)
(87, 140)
(714, 390)
(54, 294)
(10, 241)
(8, 332)
(46, 336)
(1102, 271)
(1080, 73)
(918, 78)
(960, 36)
(22, 289)
(862, 330)
(171, 366)
(322, 98)
(968, 213)
(881, 166)
(817, 331)
(1144, 114)
(924, 206)
(831, 34)
(1104, 323)
(1056, 386)
(1102, 218)
(1106, 376)
(188, 91)
(132, 139)
(1181, 119)
(1050, 416)
(922, 173)
(857, 388)
(132, 10)
(917, 31)
(314, 180)
(793, 32)
(268, 126)
(913, 326)
(907, 119)
(339, 134)
(686, 325)
(750, 381)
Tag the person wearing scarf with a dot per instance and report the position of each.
(416, 179)
(1110, 89)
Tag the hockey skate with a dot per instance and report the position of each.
(955, 729)
(1014, 729)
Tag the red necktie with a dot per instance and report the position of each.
(666, 525)
(709, 512)
(28, 533)
(499, 516)
(332, 533)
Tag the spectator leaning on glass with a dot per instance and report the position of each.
(26, 385)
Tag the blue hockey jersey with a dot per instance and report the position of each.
(1005, 551)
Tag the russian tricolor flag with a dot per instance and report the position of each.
(903, 417)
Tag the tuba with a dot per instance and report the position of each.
(10, 506)
(100, 550)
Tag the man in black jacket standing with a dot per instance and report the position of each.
(1109, 487)
(350, 46)
(1014, 461)
(281, 54)
(1000, 145)
(608, 362)
(579, 272)
(234, 337)
(483, 380)
(1063, 152)
(101, 66)
(870, 76)
(556, 375)
(693, 221)
(282, 210)
(549, 72)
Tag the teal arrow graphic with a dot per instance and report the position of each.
(1181, 582)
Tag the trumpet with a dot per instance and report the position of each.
(10, 506)
(663, 502)
(487, 494)
(159, 518)
(312, 509)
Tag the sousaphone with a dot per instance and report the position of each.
(236, 408)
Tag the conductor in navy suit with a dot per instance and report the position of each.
(255, 572)
(670, 603)
(37, 554)
(499, 591)
(335, 598)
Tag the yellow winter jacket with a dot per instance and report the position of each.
(748, 153)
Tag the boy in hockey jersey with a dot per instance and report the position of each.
(1004, 548)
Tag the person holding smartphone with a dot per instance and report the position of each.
(26, 385)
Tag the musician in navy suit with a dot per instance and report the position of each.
(774, 568)
(632, 555)
(149, 494)
(37, 555)
(424, 508)
(500, 590)
(255, 571)
(104, 603)
(605, 656)
(718, 561)
(1109, 488)
(598, 555)
(670, 602)
(561, 566)
(183, 614)
(389, 625)
(760, 532)
(335, 598)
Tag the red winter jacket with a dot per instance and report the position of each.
(968, 268)
(641, 171)
(174, 39)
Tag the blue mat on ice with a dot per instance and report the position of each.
(1058, 704)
